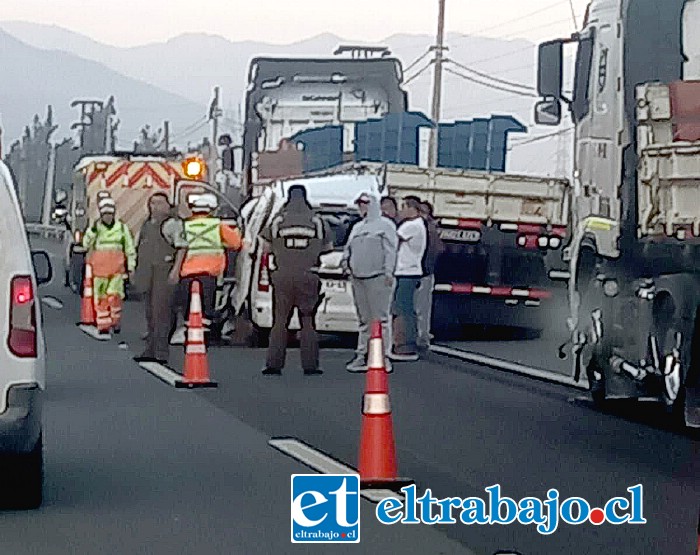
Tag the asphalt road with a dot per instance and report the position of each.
(135, 466)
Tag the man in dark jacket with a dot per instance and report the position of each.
(155, 255)
(296, 238)
(424, 293)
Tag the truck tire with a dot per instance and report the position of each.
(23, 479)
(676, 311)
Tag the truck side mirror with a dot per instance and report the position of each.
(550, 69)
(548, 112)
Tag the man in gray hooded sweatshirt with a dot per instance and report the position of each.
(370, 257)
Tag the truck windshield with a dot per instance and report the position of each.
(584, 61)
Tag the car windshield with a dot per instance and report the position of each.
(340, 224)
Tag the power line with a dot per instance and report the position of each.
(490, 77)
(524, 142)
(418, 60)
(516, 19)
(417, 74)
(189, 131)
(490, 85)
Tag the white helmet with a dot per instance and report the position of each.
(107, 206)
(205, 202)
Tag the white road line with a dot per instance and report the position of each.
(323, 464)
(92, 332)
(310, 457)
(164, 373)
(510, 366)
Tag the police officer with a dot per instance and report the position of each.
(296, 238)
(155, 255)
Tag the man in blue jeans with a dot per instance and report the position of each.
(412, 235)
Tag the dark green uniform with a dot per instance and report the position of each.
(297, 237)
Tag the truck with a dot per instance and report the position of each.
(286, 96)
(131, 179)
(634, 254)
(503, 235)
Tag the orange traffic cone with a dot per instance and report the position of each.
(87, 303)
(196, 364)
(377, 466)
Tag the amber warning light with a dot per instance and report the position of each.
(193, 168)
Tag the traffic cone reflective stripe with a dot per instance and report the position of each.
(376, 403)
(87, 303)
(375, 357)
(377, 465)
(196, 372)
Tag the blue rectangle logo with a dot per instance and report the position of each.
(325, 508)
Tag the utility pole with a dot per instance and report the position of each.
(166, 135)
(214, 114)
(439, 49)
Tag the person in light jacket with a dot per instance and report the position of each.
(370, 257)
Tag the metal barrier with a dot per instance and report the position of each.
(48, 231)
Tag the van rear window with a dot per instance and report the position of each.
(340, 224)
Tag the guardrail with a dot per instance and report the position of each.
(48, 231)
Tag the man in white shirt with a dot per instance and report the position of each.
(409, 270)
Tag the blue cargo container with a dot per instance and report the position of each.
(393, 139)
(322, 147)
(477, 145)
(499, 129)
(480, 144)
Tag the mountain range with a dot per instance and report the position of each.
(173, 81)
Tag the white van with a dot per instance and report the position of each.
(333, 198)
(22, 356)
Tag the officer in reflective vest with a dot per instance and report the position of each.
(111, 254)
(203, 256)
(296, 238)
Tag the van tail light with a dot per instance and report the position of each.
(264, 273)
(22, 338)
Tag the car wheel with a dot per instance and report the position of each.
(23, 477)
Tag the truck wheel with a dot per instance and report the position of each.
(23, 477)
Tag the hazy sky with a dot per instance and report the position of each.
(133, 22)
